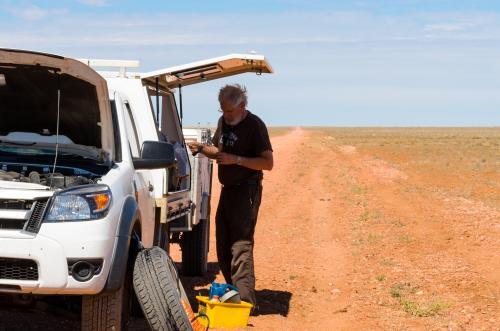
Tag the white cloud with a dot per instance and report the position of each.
(443, 27)
(447, 27)
(29, 12)
(334, 28)
(96, 3)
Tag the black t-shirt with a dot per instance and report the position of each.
(249, 138)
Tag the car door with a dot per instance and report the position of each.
(142, 178)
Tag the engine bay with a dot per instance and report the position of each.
(62, 177)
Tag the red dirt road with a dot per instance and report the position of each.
(349, 241)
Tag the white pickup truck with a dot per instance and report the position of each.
(93, 168)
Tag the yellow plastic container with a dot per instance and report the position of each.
(223, 315)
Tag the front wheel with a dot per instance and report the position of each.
(108, 311)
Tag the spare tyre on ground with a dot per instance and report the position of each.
(159, 291)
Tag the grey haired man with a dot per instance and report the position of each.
(243, 150)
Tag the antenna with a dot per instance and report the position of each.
(57, 124)
(157, 102)
(180, 101)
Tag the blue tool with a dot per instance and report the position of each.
(219, 290)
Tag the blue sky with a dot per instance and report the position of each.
(337, 63)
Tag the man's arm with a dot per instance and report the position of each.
(262, 162)
(197, 147)
(209, 151)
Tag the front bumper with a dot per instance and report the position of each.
(76, 240)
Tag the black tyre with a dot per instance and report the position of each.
(159, 291)
(194, 246)
(108, 311)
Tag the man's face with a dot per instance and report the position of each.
(232, 115)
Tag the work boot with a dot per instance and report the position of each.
(255, 311)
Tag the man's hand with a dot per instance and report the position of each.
(195, 147)
(225, 158)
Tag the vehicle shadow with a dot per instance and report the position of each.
(18, 314)
(273, 302)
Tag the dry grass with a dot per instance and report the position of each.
(276, 131)
(462, 161)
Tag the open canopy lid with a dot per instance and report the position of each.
(201, 71)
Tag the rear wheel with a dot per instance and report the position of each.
(160, 291)
(194, 246)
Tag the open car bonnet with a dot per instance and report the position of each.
(35, 88)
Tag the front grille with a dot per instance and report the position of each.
(11, 224)
(15, 204)
(18, 269)
(36, 217)
(32, 224)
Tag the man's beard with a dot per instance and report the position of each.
(233, 122)
(236, 120)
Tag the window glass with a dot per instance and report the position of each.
(168, 122)
(132, 135)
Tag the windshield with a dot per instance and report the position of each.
(29, 104)
(24, 150)
(16, 156)
(21, 148)
(29, 137)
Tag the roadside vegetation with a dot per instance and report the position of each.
(463, 161)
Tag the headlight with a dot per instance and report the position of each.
(87, 202)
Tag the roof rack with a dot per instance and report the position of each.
(123, 65)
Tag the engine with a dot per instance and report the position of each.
(54, 180)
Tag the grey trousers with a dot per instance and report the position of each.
(235, 226)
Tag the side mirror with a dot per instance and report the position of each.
(155, 155)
